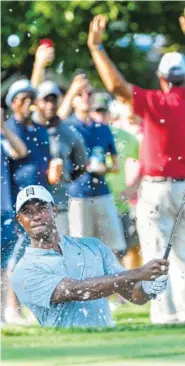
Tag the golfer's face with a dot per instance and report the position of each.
(37, 218)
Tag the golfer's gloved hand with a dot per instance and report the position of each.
(155, 287)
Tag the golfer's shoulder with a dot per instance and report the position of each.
(90, 243)
(25, 269)
(18, 274)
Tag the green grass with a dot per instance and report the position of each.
(133, 342)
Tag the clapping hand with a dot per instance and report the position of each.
(79, 83)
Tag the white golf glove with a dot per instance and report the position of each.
(156, 287)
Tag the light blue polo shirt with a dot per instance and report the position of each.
(40, 270)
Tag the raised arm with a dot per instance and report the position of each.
(98, 287)
(111, 77)
(78, 84)
(44, 56)
(182, 22)
(15, 147)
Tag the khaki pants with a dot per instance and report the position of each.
(97, 216)
(157, 210)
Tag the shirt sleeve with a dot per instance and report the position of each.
(139, 100)
(8, 150)
(13, 126)
(110, 262)
(112, 146)
(36, 285)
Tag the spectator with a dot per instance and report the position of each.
(127, 147)
(100, 107)
(31, 169)
(123, 118)
(65, 145)
(65, 281)
(163, 163)
(92, 211)
(44, 56)
(13, 147)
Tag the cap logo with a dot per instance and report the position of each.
(30, 191)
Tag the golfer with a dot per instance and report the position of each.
(65, 281)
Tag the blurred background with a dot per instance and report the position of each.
(137, 31)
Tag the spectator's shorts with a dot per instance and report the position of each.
(129, 226)
(97, 217)
(8, 238)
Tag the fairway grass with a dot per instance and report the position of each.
(133, 342)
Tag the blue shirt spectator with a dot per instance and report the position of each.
(6, 196)
(8, 236)
(95, 135)
(31, 169)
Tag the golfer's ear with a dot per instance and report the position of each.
(55, 210)
(18, 218)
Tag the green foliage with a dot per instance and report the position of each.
(67, 23)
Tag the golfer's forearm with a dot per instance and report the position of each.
(111, 77)
(92, 288)
(139, 297)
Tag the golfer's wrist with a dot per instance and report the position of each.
(129, 276)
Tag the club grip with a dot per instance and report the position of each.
(167, 252)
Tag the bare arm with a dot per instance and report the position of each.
(43, 57)
(98, 287)
(182, 22)
(17, 148)
(134, 293)
(78, 83)
(111, 77)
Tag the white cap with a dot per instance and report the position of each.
(172, 66)
(32, 192)
(46, 88)
(20, 86)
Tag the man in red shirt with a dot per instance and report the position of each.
(162, 160)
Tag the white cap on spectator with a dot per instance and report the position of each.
(46, 88)
(172, 66)
(32, 192)
(20, 86)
